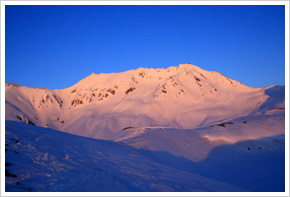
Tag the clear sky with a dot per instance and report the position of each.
(56, 46)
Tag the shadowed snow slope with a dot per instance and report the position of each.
(243, 155)
(45, 160)
(101, 105)
(248, 152)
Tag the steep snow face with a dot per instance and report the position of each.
(103, 104)
(37, 106)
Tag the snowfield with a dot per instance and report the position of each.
(40, 159)
(248, 152)
(180, 129)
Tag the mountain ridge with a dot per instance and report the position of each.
(102, 104)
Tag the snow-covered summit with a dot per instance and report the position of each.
(100, 105)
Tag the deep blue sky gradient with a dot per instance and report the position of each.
(56, 46)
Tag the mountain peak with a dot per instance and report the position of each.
(92, 74)
(192, 67)
(188, 65)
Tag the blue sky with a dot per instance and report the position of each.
(56, 46)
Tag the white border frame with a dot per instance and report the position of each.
(286, 3)
(148, 2)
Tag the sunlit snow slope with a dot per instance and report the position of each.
(101, 105)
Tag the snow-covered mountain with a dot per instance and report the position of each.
(175, 129)
(101, 105)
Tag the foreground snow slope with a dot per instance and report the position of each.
(45, 160)
(101, 105)
(244, 154)
(248, 152)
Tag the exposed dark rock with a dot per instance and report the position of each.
(224, 124)
(24, 119)
(196, 78)
(142, 74)
(130, 90)
(47, 98)
(76, 102)
(111, 91)
(127, 128)
(9, 174)
(203, 76)
(16, 141)
(57, 99)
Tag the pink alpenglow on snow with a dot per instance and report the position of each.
(176, 129)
